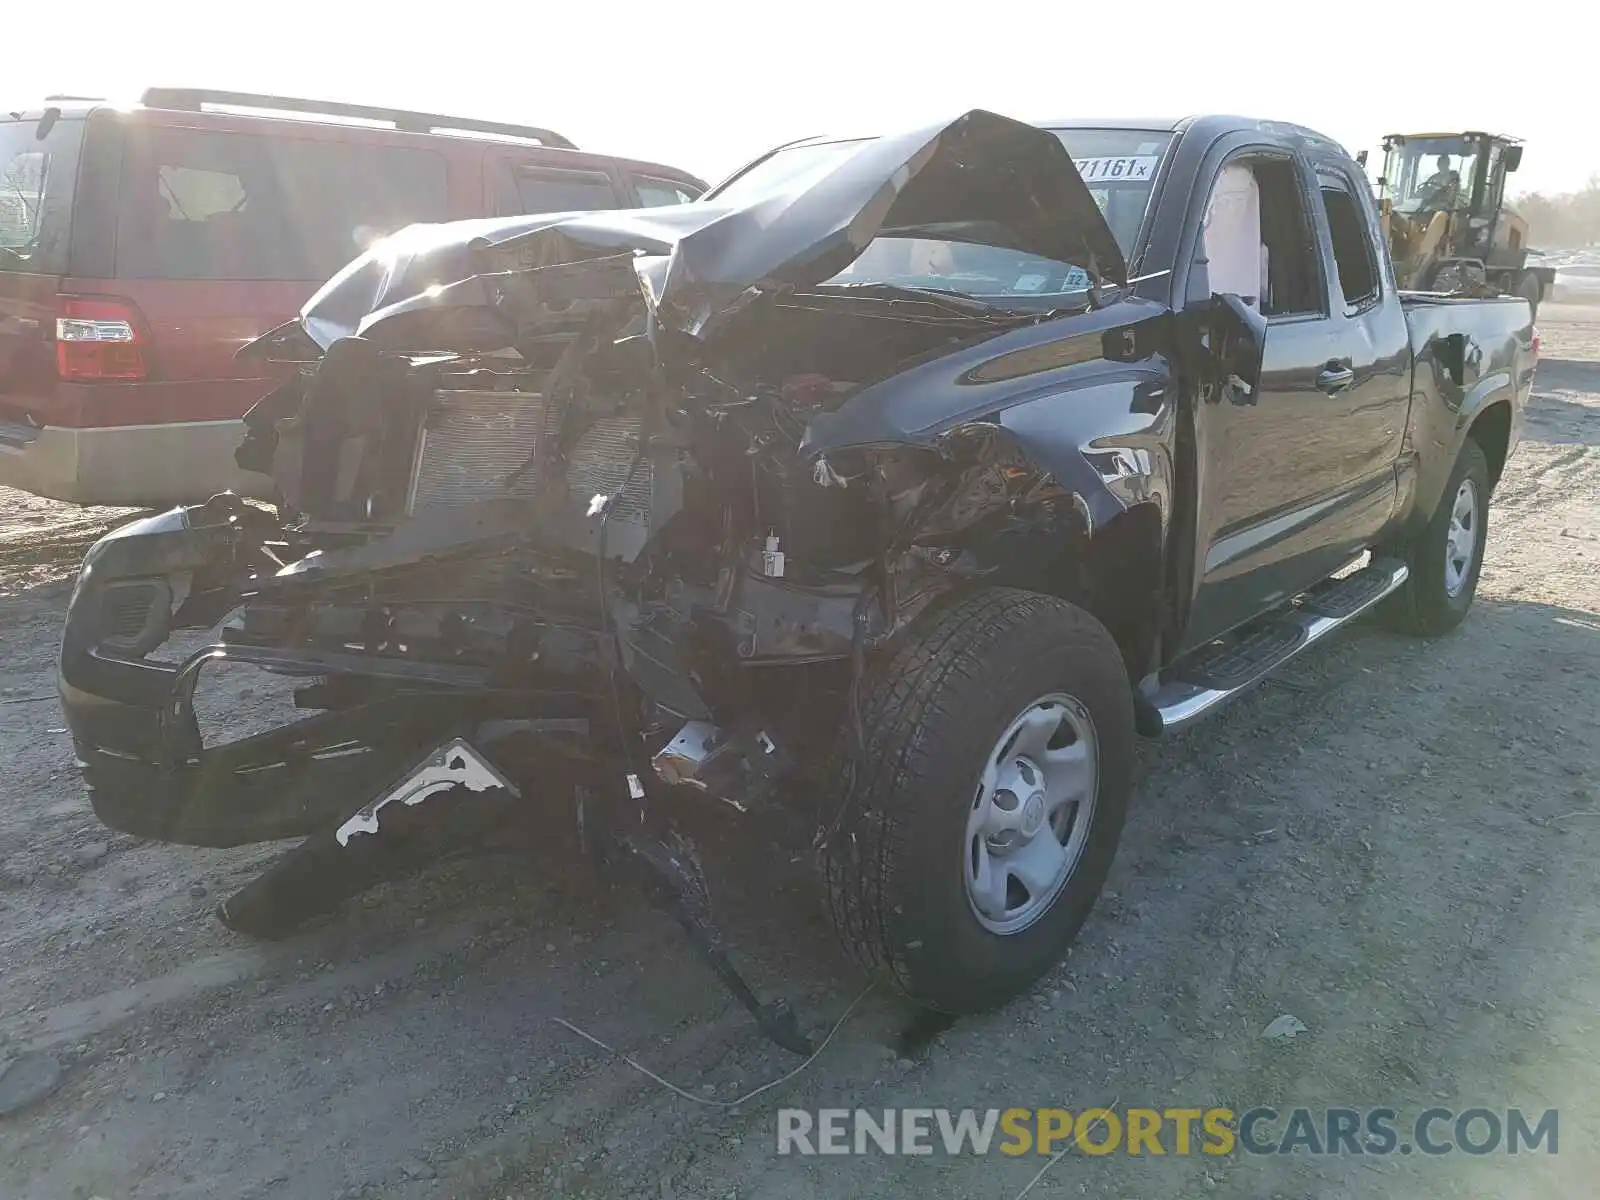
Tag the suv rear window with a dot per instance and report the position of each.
(241, 206)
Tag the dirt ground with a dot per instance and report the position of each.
(1396, 843)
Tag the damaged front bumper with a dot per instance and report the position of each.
(152, 772)
(139, 743)
(347, 779)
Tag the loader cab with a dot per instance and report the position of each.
(1442, 196)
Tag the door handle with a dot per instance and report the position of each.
(1334, 378)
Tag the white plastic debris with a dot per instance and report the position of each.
(772, 558)
(1283, 1028)
(823, 475)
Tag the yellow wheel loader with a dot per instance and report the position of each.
(1441, 201)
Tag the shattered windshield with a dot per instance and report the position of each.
(1118, 166)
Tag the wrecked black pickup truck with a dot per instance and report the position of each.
(898, 483)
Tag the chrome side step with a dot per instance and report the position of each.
(1175, 703)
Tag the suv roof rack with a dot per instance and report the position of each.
(194, 99)
(64, 96)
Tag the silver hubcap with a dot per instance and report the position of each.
(1461, 542)
(1031, 814)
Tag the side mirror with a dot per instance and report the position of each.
(1242, 332)
(1238, 334)
(1361, 159)
(1512, 157)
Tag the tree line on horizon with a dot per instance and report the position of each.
(1563, 221)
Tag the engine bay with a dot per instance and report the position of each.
(483, 512)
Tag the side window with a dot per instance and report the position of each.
(22, 198)
(555, 190)
(657, 193)
(36, 193)
(1258, 240)
(1353, 252)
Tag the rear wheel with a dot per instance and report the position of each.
(977, 821)
(1446, 557)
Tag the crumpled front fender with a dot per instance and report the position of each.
(1089, 397)
(1054, 450)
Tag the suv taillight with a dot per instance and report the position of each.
(1535, 341)
(99, 339)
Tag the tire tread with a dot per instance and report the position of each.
(906, 718)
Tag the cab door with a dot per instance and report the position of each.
(1294, 466)
(1373, 343)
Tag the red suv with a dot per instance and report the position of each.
(140, 247)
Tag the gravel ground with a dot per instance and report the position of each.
(1396, 843)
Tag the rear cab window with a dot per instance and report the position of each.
(212, 205)
(36, 185)
(1354, 253)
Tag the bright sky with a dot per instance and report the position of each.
(707, 84)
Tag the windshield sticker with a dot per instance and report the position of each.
(1127, 168)
(1029, 283)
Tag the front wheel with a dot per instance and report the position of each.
(974, 824)
(1446, 557)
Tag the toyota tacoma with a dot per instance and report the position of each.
(897, 483)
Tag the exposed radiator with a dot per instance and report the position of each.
(476, 440)
(473, 443)
(599, 465)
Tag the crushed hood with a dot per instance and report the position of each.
(465, 284)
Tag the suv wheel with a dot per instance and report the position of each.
(977, 820)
